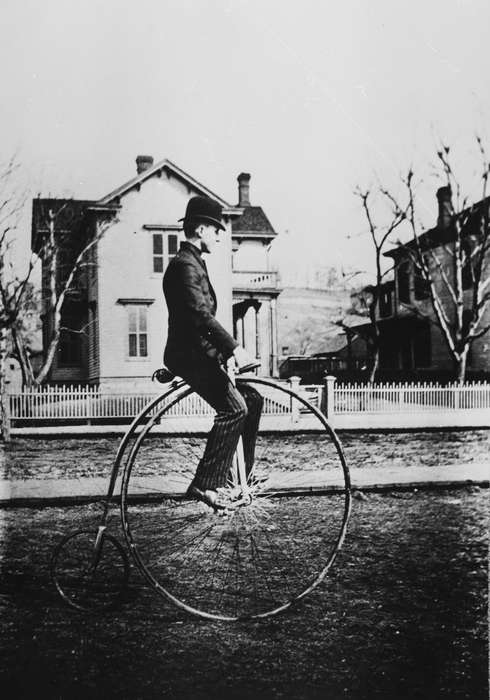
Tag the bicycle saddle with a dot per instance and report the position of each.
(163, 376)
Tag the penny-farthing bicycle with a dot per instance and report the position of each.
(254, 561)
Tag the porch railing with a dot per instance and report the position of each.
(254, 280)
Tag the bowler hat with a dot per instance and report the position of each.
(203, 209)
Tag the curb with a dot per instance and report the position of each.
(36, 501)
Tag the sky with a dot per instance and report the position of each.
(313, 98)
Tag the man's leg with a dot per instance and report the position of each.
(213, 384)
(255, 402)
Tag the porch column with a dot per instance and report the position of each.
(273, 336)
(239, 331)
(257, 333)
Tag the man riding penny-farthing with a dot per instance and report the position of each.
(198, 347)
(261, 456)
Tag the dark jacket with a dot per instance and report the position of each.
(193, 332)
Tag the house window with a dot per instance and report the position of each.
(403, 275)
(467, 271)
(70, 345)
(420, 285)
(92, 264)
(137, 331)
(165, 247)
(385, 303)
(93, 333)
(388, 355)
(421, 346)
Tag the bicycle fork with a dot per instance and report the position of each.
(239, 472)
(97, 551)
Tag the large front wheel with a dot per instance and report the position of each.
(266, 554)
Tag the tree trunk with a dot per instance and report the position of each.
(375, 340)
(24, 361)
(374, 366)
(349, 351)
(461, 365)
(4, 397)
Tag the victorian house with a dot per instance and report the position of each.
(114, 319)
(411, 341)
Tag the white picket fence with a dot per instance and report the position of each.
(74, 403)
(410, 398)
(87, 403)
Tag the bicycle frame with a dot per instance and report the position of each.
(174, 386)
(98, 541)
(239, 474)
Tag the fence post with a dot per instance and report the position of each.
(294, 385)
(88, 391)
(328, 403)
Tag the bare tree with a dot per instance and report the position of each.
(25, 332)
(370, 295)
(459, 264)
(65, 258)
(451, 261)
(12, 284)
(65, 248)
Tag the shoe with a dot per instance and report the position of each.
(211, 498)
(232, 493)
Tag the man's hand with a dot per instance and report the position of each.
(243, 359)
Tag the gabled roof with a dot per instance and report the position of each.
(253, 221)
(438, 236)
(433, 238)
(167, 165)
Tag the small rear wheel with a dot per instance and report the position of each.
(90, 570)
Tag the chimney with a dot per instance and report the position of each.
(445, 210)
(243, 190)
(143, 163)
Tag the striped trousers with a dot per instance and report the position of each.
(238, 412)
